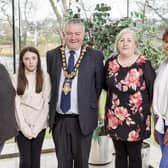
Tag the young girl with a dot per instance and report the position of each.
(33, 93)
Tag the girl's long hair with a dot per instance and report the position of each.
(22, 81)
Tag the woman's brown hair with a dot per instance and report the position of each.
(165, 35)
(22, 80)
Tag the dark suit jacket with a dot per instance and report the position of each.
(8, 126)
(90, 83)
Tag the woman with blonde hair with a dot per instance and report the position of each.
(129, 84)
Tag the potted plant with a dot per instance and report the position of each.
(102, 150)
(102, 146)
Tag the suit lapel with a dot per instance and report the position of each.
(56, 71)
(81, 71)
(58, 68)
(82, 74)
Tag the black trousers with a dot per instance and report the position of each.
(128, 154)
(30, 150)
(72, 147)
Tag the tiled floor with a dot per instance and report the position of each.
(49, 160)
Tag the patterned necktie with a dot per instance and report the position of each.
(66, 98)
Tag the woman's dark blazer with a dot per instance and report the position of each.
(8, 126)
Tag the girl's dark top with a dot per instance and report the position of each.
(8, 127)
(129, 98)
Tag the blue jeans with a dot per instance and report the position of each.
(164, 150)
(1, 146)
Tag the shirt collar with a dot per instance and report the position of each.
(77, 52)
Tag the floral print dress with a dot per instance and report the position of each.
(129, 98)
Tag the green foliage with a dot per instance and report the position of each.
(99, 131)
(101, 32)
(155, 55)
(147, 31)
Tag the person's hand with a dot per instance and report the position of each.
(155, 134)
(166, 138)
(30, 137)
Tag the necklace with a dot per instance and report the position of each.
(127, 61)
(70, 75)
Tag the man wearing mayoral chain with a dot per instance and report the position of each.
(77, 76)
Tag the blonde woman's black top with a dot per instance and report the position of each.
(129, 98)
